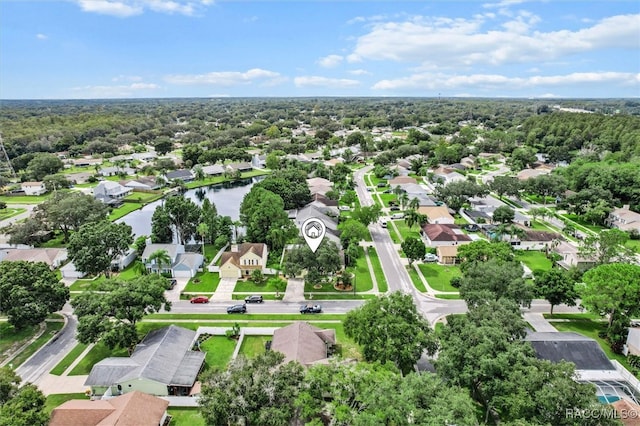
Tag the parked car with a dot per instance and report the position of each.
(430, 257)
(394, 208)
(199, 299)
(397, 216)
(256, 298)
(344, 208)
(383, 223)
(472, 227)
(237, 309)
(382, 185)
(310, 309)
(172, 283)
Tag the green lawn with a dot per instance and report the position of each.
(535, 260)
(130, 272)
(86, 285)
(123, 210)
(577, 219)
(363, 279)
(417, 282)
(251, 287)
(459, 220)
(586, 315)
(219, 350)
(50, 332)
(377, 270)
(96, 354)
(24, 199)
(633, 245)
(253, 345)
(395, 236)
(221, 179)
(143, 197)
(184, 416)
(386, 198)
(57, 399)
(208, 283)
(539, 226)
(404, 230)
(10, 212)
(448, 296)
(591, 328)
(68, 360)
(248, 316)
(439, 276)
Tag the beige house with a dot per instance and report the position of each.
(437, 215)
(132, 409)
(243, 259)
(447, 255)
(401, 180)
(632, 347)
(570, 256)
(527, 174)
(54, 257)
(304, 343)
(624, 219)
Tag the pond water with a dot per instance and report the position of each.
(227, 198)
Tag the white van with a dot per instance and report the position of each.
(397, 216)
(383, 223)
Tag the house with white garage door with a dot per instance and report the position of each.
(181, 265)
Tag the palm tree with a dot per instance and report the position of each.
(199, 173)
(160, 258)
(414, 204)
(404, 199)
(203, 231)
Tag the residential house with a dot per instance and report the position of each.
(183, 265)
(54, 257)
(162, 364)
(333, 162)
(468, 162)
(181, 174)
(591, 363)
(447, 255)
(624, 219)
(79, 178)
(213, 170)
(144, 183)
(570, 256)
(241, 260)
(115, 171)
(632, 346)
(33, 188)
(259, 161)
(447, 178)
(477, 216)
(70, 272)
(444, 235)
(527, 174)
(399, 170)
(304, 343)
(86, 162)
(437, 214)
(106, 191)
(401, 180)
(331, 224)
(530, 239)
(131, 409)
(404, 164)
(324, 204)
(241, 167)
(319, 185)
(144, 156)
(124, 260)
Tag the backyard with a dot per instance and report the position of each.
(535, 260)
(219, 350)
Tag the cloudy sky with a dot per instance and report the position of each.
(61, 49)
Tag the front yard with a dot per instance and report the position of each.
(405, 231)
(535, 260)
(203, 282)
(439, 276)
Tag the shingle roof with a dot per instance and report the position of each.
(46, 255)
(190, 260)
(179, 174)
(131, 409)
(444, 232)
(244, 248)
(584, 352)
(172, 249)
(164, 355)
(302, 342)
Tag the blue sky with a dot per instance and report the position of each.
(204, 48)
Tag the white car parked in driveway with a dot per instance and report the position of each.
(430, 257)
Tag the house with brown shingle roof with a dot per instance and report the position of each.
(444, 235)
(401, 180)
(304, 343)
(447, 255)
(131, 409)
(243, 259)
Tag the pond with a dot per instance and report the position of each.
(227, 198)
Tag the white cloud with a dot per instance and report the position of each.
(126, 8)
(502, 4)
(120, 9)
(122, 77)
(228, 78)
(115, 91)
(445, 42)
(330, 61)
(359, 72)
(440, 81)
(41, 36)
(332, 83)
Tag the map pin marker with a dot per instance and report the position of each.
(313, 231)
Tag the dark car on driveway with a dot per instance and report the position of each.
(199, 299)
(394, 208)
(237, 309)
(310, 309)
(256, 298)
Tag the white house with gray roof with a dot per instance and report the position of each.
(162, 364)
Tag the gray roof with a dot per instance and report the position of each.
(163, 356)
(584, 352)
(215, 169)
(172, 249)
(303, 342)
(179, 174)
(190, 260)
(312, 211)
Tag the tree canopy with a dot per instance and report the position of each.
(30, 292)
(20, 405)
(390, 329)
(97, 244)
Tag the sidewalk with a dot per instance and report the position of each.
(538, 322)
